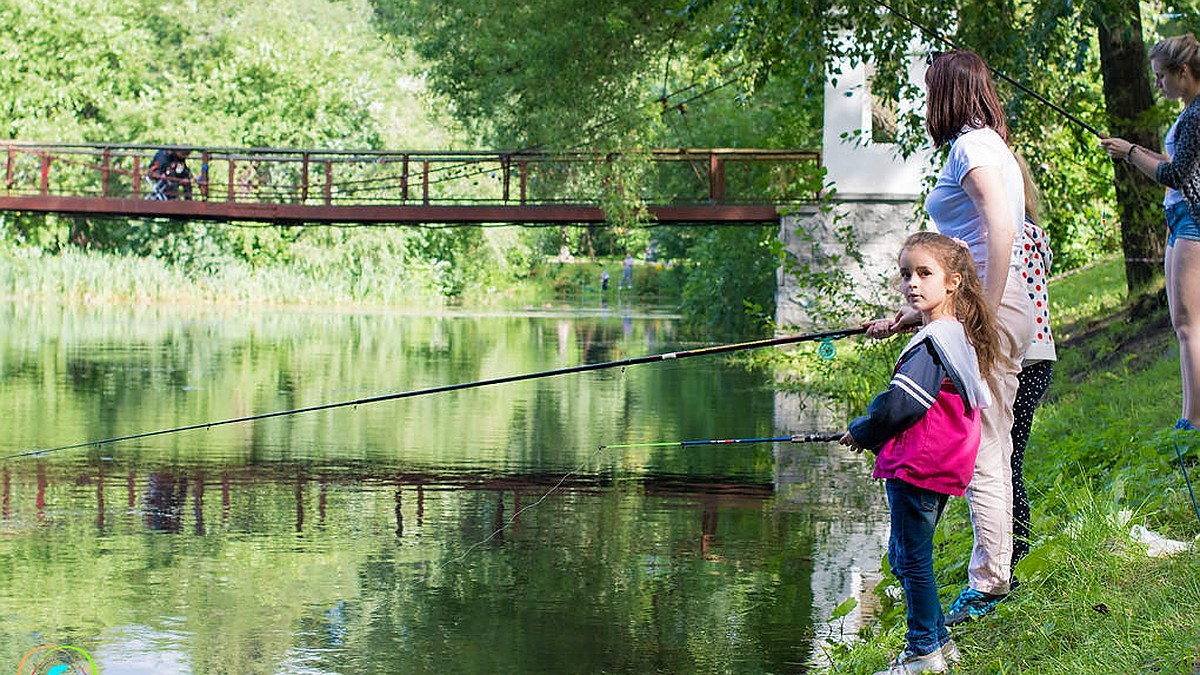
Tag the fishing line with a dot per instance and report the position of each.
(824, 337)
(941, 38)
(523, 509)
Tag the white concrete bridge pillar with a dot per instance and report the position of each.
(875, 199)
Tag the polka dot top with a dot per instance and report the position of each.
(1035, 268)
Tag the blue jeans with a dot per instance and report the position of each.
(915, 512)
(1180, 224)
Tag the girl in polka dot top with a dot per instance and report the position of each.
(1038, 366)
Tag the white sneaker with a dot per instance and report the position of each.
(908, 663)
(951, 654)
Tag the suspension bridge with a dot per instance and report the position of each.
(315, 186)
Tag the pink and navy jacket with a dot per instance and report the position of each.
(925, 427)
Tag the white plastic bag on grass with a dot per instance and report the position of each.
(1157, 546)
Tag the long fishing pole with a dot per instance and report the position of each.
(942, 38)
(1186, 479)
(825, 337)
(814, 437)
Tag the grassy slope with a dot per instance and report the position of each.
(1100, 460)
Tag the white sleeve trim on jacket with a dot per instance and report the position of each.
(914, 390)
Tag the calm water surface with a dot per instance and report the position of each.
(480, 531)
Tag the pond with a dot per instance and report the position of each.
(481, 530)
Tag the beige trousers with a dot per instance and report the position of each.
(990, 493)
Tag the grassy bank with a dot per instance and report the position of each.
(1101, 460)
(80, 276)
(77, 276)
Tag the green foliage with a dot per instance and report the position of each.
(859, 371)
(517, 80)
(219, 73)
(617, 76)
(310, 73)
(623, 77)
(740, 267)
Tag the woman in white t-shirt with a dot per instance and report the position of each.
(979, 198)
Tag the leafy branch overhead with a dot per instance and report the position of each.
(613, 74)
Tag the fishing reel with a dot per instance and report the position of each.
(826, 350)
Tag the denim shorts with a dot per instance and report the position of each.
(1181, 224)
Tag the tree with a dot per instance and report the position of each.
(1128, 102)
(547, 87)
(292, 73)
(624, 77)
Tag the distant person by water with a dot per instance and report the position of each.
(627, 272)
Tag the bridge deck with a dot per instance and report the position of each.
(283, 214)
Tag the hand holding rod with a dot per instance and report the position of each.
(819, 437)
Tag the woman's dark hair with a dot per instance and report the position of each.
(960, 94)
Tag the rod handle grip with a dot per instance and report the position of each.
(818, 437)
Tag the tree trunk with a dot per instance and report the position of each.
(1127, 98)
(81, 232)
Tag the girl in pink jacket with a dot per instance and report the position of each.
(925, 428)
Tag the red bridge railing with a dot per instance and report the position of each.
(314, 184)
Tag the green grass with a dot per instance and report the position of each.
(1100, 460)
(1092, 292)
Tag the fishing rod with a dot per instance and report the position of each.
(942, 38)
(813, 437)
(824, 337)
(1186, 479)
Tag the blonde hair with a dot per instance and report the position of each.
(1176, 52)
(970, 305)
(1033, 196)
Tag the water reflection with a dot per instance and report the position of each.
(482, 530)
(164, 500)
(849, 510)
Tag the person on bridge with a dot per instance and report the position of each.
(169, 171)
